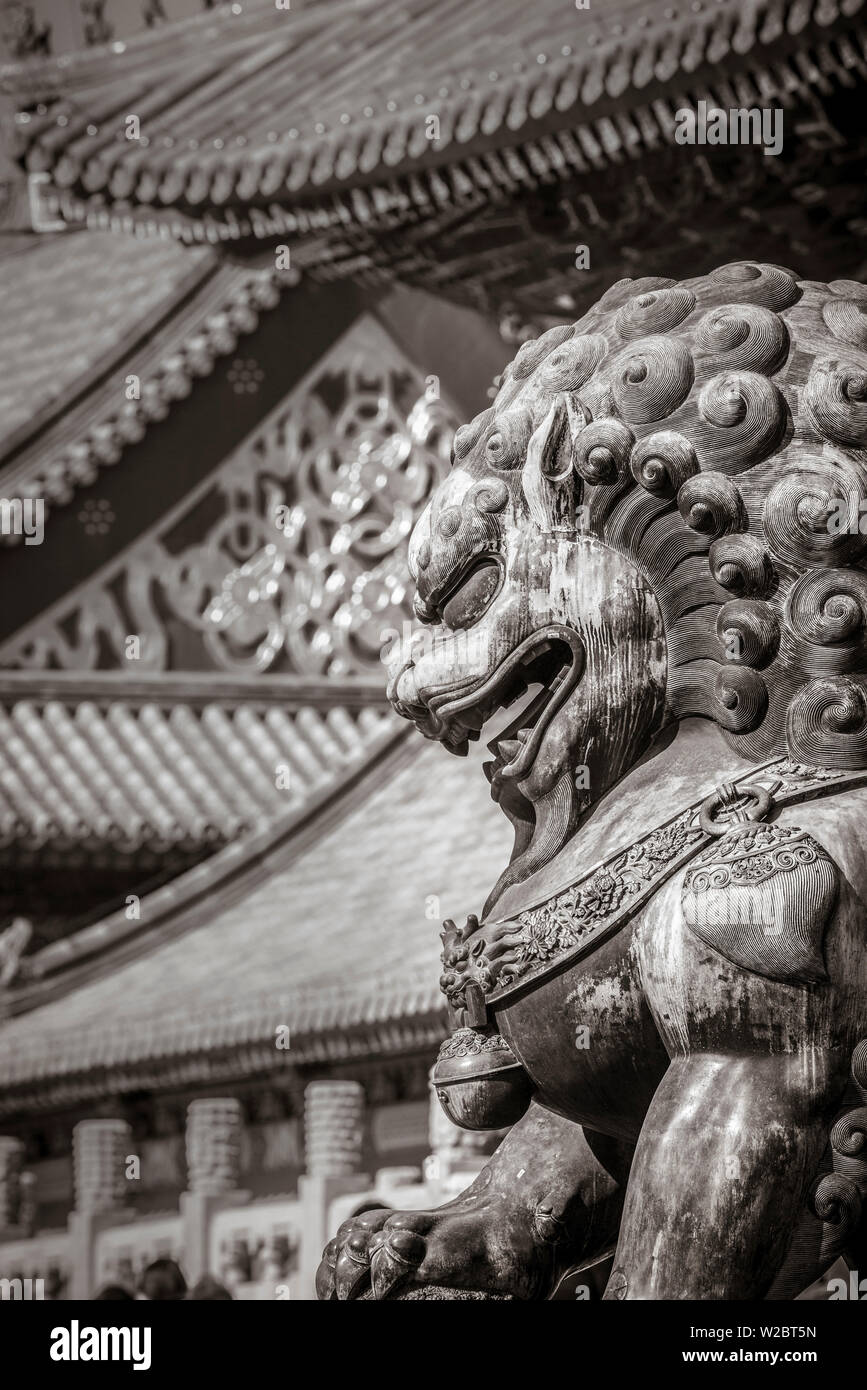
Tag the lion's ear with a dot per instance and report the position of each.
(577, 419)
(548, 479)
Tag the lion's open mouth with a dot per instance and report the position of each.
(548, 664)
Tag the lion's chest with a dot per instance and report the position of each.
(588, 1041)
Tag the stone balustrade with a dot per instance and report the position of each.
(264, 1248)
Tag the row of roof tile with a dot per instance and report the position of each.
(156, 778)
(248, 1022)
(409, 83)
(337, 941)
(197, 332)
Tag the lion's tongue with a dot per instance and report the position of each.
(538, 840)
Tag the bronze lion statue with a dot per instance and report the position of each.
(652, 545)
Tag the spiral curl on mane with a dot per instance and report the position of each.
(741, 698)
(742, 418)
(835, 397)
(602, 452)
(662, 462)
(742, 336)
(811, 516)
(737, 403)
(651, 379)
(711, 503)
(749, 630)
(741, 564)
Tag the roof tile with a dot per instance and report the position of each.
(350, 89)
(146, 779)
(346, 933)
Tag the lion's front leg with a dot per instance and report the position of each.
(546, 1201)
(722, 1171)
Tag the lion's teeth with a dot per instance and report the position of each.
(557, 682)
(509, 748)
(523, 734)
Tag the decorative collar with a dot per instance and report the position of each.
(486, 964)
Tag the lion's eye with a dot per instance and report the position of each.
(469, 601)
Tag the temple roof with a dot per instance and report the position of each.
(164, 312)
(105, 290)
(428, 142)
(351, 110)
(339, 942)
(144, 777)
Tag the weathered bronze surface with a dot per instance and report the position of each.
(652, 542)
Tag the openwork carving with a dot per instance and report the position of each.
(300, 558)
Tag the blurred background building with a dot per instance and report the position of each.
(256, 265)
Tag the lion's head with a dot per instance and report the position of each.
(659, 516)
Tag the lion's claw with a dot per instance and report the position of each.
(325, 1289)
(394, 1257)
(379, 1250)
(344, 1272)
(352, 1271)
(384, 1252)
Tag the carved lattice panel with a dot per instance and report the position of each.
(292, 555)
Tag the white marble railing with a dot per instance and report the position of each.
(122, 1252)
(45, 1256)
(256, 1247)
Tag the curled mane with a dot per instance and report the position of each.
(718, 438)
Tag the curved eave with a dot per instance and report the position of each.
(92, 431)
(70, 775)
(193, 1049)
(334, 937)
(548, 69)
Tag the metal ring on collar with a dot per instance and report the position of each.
(730, 805)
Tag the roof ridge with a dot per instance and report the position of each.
(56, 410)
(203, 339)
